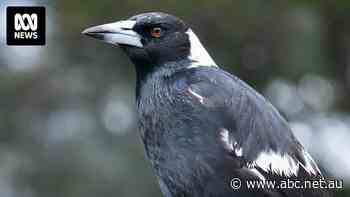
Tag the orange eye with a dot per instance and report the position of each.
(156, 32)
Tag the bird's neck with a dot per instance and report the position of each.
(148, 74)
(196, 56)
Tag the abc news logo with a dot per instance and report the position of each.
(26, 25)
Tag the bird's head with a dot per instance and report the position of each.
(153, 39)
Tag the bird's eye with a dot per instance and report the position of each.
(156, 32)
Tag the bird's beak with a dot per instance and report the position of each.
(120, 32)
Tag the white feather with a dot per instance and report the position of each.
(271, 161)
(310, 165)
(283, 164)
(239, 151)
(277, 163)
(257, 173)
(195, 94)
(229, 143)
(225, 138)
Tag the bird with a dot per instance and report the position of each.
(202, 127)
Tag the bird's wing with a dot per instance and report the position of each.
(250, 128)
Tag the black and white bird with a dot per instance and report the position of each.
(202, 126)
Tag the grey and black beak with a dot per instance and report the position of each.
(120, 32)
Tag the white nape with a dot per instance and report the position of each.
(198, 54)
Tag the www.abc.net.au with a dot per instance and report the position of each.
(236, 184)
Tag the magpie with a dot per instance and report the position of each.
(201, 126)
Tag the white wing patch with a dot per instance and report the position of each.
(198, 54)
(229, 143)
(271, 161)
(284, 165)
(276, 163)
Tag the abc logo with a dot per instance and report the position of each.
(32, 22)
(26, 25)
(26, 22)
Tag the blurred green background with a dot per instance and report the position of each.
(67, 110)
